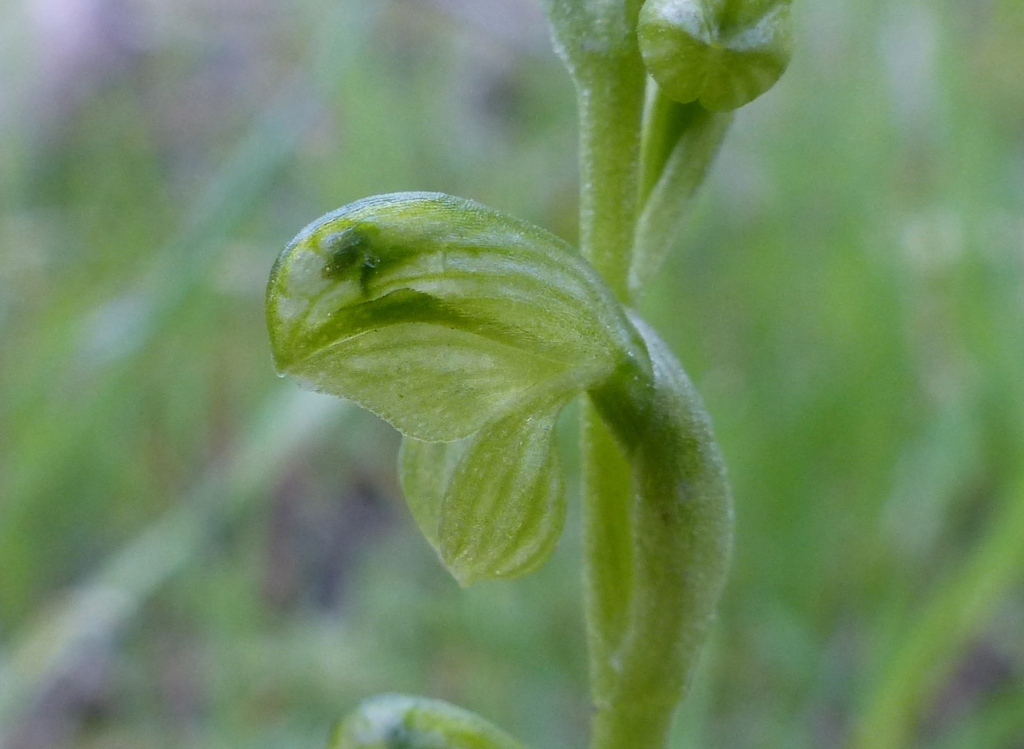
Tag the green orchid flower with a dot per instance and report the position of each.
(470, 331)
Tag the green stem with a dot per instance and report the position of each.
(631, 725)
(634, 697)
(608, 539)
(610, 81)
(655, 508)
(611, 108)
(597, 40)
(680, 525)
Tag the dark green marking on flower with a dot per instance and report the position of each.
(350, 256)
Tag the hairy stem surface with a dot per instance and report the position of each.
(680, 516)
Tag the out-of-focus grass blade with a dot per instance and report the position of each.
(100, 608)
(233, 192)
(995, 726)
(927, 652)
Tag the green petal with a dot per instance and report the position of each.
(504, 509)
(426, 470)
(438, 314)
(492, 505)
(724, 53)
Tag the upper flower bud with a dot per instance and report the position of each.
(724, 53)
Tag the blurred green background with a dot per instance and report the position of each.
(195, 553)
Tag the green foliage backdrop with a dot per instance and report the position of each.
(193, 553)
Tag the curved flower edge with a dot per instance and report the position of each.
(394, 721)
